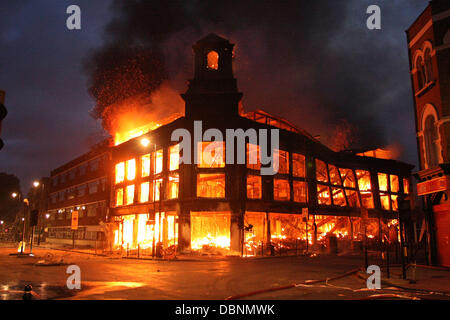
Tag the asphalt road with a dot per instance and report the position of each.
(112, 278)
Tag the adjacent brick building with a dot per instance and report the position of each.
(429, 58)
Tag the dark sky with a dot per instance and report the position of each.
(312, 62)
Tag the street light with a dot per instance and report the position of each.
(14, 195)
(145, 142)
(36, 184)
(47, 216)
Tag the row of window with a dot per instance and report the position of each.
(90, 210)
(81, 190)
(337, 186)
(149, 163)
(78, 171)
(80, 234)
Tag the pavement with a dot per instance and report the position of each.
(207, 278)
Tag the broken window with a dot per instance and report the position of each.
(255, 232)
(323, 194)
(213, 60)
(385, 200)
(145, 164)
(253, 159)
(298, 165)
(211, 185)
(174, 183)
(129, 194)
(210, 230)
(365, 188)
(254, 187)
(321, 171)
(348, 178)
(211, 154)
(283, 161)
(158, 161)
(394, 183)
(394, 202)
(120, 172)
(352, 198)
(334, 175)
(119, 197)
(144, 193)
(174, 157)
(281, 190)
(300, 191)
(286, 230)
(338, 197)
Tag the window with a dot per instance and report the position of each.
(82, 190)
(430, 138)
(428, 66)
(352, 197)
(53, 197)
(211, 185)
(348, 178)
(93, 187)
(420, 71)
(174, 182)
(157, 188)
(254, 187)
(83, 169)
(300, 191)
(383, 181)
(144, 192)
(72, 174)
(338, 197)
(119, 197)
(211, 154)
(120, 172)
(145, 164)
(174, 157)
(129, 194)
(406, 185)
(321, 171)
(131, 169)
(253, 159)
(394, 183)
(323, 195)
(213, 60)
(61, 195)
(281, 190)
(94, 164)
(365, 188)
(158, 161)
(55, 181)
(298, 165)
(334, 175)
(283, 161)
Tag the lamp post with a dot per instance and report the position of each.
(18, 196)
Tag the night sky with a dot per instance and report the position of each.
(312, 62)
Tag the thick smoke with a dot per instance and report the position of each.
(290, 59)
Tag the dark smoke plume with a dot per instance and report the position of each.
(293, 58)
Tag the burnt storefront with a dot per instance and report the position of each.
(227, 206)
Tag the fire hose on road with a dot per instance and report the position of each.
(293, 285)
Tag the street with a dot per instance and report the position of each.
(203, 278)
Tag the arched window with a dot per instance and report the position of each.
(421, 77)
(428, 66)
(213, 60)
(431, 140)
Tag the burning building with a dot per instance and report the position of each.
(231, 208)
